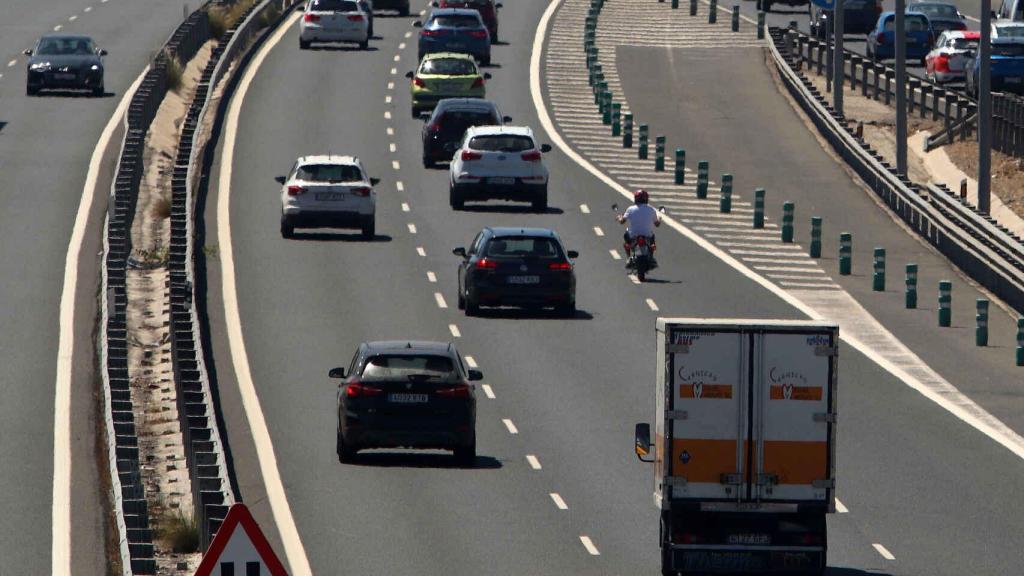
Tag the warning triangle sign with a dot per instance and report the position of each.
(240, 548)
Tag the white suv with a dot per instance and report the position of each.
(501, 162)
(334, 21)
(328, 191)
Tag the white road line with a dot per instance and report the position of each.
(439, 298)
(818, 284)
(401, 45)
(408, 34)
(883, 551)
(511, 427)
(412, 228)
(455, 331)
(632, 278)
(399, 186)
(589, 545)
(421, 251)
(781, 261)
(789, 269)
(405, 206)
(488, 391)
(392, 148)
(797, 277)
(294, 552)
(471, 362)
(391, 85)
(431, 277)
(57, 28)
(390, 131)
(398, 57)
(1, 75)
(422, 12)
(598, 231)
(72, 18)
(584, 208)
(394, 71)
(396, 165)
(559, 502)
(615, 254)
(652, 305)
(841, 508)
(533, 461)
(88, 9)
(387, 99)
(387, 115)
(12, 63)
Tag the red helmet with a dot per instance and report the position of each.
(640, 196)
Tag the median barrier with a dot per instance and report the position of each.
(787, 222)
(759, 208)
(725, 199)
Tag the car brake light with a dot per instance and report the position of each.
(531, 156)
(690, 538)
(432, 32)
(562, 266)
(641, 241)
(296, 190)
(311, 18)
(880, 37)
(942, 63)
(418, 82)
(469, 155)
(355, 17)
(478, 83)
(457, 391)
(357, 390)
(485, 264)
(362, 191)
(478, 33)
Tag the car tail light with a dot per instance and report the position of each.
(560, 266)
(469, 155)
(478, 34)
(311, 18)
(296, 190)
(641, 241)
(485, 264)
(357, 390)
(362, 191)
(690, 538)
(432, 33)
(942, 63)
(355, 17)
(457, 391)
(478, 83)
(880, 37)
(418, 82)
(811, 539)
(531, 156)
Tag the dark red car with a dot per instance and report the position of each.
(488, 10)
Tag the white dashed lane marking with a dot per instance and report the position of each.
(511, 427)
(883, 551)
(387, 115)
(841, 508)
(455, 331)
(652, 305)
(390, 131)
(598, 231)
(471, 361)
(57, 28)
(421, 251)
(398, 57)
(533, 461)
(439, 298)
(615, 254)
(394, 71)
(412, 228)
(584, 208)
(72, 18)
(589, 545)
(400, 186)
(405, 207)
(392, 148)
(387, 99)
(391, 85)
(408, 34)
(88, 9)
(12, 63)
(488, 391)
(396, 165)
(401, 45)
(431, 277)
(559, 502)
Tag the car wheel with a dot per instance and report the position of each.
(98, 91)
(346, 453)
(369, 228)
(567, 310)
(365, 44)
(414, 113)
(466, 455)
(540, 203)
(304, 44)
(494, 37)
(455, 198)
(31, 90)
(369, 32)
(461, 300)
(472, 308)
(287, 229)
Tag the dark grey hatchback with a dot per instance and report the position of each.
(65, 62)
(406, 394)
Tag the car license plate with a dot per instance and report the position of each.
(63, 76)
(750, 539)
(524, 279)
(330, 196)
(502, 181)
(456, 46)
(407, 398)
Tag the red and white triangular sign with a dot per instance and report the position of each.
(239, 552)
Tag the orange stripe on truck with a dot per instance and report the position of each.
(796, 462)
(705, 460)
(790, 392)
(717, 391)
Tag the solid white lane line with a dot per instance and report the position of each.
(511, 427)
(598, 231)
(421, 251)
(615, 254)
(405, 206)
(533, 461)
(841, 508)
(294, 552)
(883, 551)
(439, 298)
(589, 545)
(455, 331)
(559, 502)
(399, 186)
(390, 131)
(488, 391)
(412, 228)
(431, 277)
(584, 208)
(652, 305)
(471, 362)
(396, 165)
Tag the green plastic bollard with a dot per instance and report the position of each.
(760, 25)
(693, 7)
(787, 222)
(713, 12)
(702, 179)
(845, 254)
(759, 208)
(981, 319)
(616, 119)
(725, 200)
(815, 249)
(735, 18)
(680, 175)
(878, 277)
(641, 151)
(599, 89)
(911, 293)
(659, 154)
(1020, 341)
(945, 301)
(675, 4)
(627, 131)
(606, 112)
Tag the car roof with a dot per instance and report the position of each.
(65, 37)
(455, 55)
(454, 12)
(505, 231)
(408, 347)
(1007, 24)
(476, 104)
(328, 159)
(494, 130)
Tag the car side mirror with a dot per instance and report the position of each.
(994, 14)
(336, 373)
(279, 179)
(475, 375)
(409, 74)
(101, 52)
(573, 254)
(417, 24)
(506, 118)
(642, 442)
(499, 5)
(545, 148)
(434, 4)
(374, 181)
(27, 52)
(487, 75)
(460, 251)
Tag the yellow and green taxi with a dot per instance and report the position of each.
(445, 75)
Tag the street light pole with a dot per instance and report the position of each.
(985, 109)
(839, 68)
(901, 88)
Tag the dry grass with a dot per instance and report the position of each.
(175, 72)
(162, 208)
(223, 18)
(178, 532)
(1007, 173)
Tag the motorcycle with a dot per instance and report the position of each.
(641, 252)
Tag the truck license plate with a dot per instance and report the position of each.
(524, 279)
(750, 539)
(407, 398)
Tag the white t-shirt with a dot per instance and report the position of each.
(640, 220)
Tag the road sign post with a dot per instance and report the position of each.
(985, 109)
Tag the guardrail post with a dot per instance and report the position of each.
(878, 278)
(912, 85)
(680, 175)
(659, 153)
(820, 59)
(876, 73)
(910, 295)
(702, 179)
(713, 12)
(945, 300)
(865, 65)
(693, 7)
(1020, 341)
(938, 94)
(725, 200)
(760, 25)
(948, 120)
(641, 151)
(787, 222)
(735, 18)
(815, 248)
(889, 74)
(925, 90)
(854, 62)
(845, 254)
(616, 119)
(627, 131)
(759, 208)
(981, 320)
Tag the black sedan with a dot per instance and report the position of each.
(517, 267)
(67, 62)
(443, 130)
(406, 394)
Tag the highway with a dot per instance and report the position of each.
(45, 148)
(556, 488)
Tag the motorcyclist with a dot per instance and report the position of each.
(640, 220)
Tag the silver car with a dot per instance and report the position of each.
(335, 21)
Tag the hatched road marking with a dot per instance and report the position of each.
(652, 305)
(412, 228)
(421, 251)
(471, 362)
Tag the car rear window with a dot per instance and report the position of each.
(385, 367)
(913, 23)
(522, 247)
(65, 46)
(455, 21)
(501, 143)
(457, 121)
(1008, 49)
(965, 44)
(333, 6)
(941, 10)
(451, 66)
(329, 173)
(1010, 31)
(468, 3)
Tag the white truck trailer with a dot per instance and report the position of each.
(744, 444)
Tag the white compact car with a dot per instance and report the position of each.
(499, 162)
(335, 21)
(328, 192)
(945, 63)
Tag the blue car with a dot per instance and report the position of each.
(882, 40)
(1006, 68)
(455, 30)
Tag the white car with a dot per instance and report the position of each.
(499, 162)
(328, 191)
(334, 21)
(945, 63)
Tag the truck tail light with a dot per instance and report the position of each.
(457, 391)
(485, 264)
(469, 155)
(361, 191)
(296, 190)
(358, 390)
(311, 18)
(531, 156)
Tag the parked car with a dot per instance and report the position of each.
(941, 15)
(445, 75)
(443, 131)
(406, 394)
(500, 162)
(455, 30)
(859, 17)
(334, 21)
(400, 6)
(517, 267)
(328, 191)
(881, 43)
(64, 61)
(1006, 68)
(1011, 10)
(488, 10)
(945, 63)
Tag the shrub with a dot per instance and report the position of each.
(175, 72)
(162, 208)
(178, 532)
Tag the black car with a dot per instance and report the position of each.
(443, 130)
(406, 394)
(517, 267)
(859, 17)
(401, 6)
(65, 62)
(942, 15)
